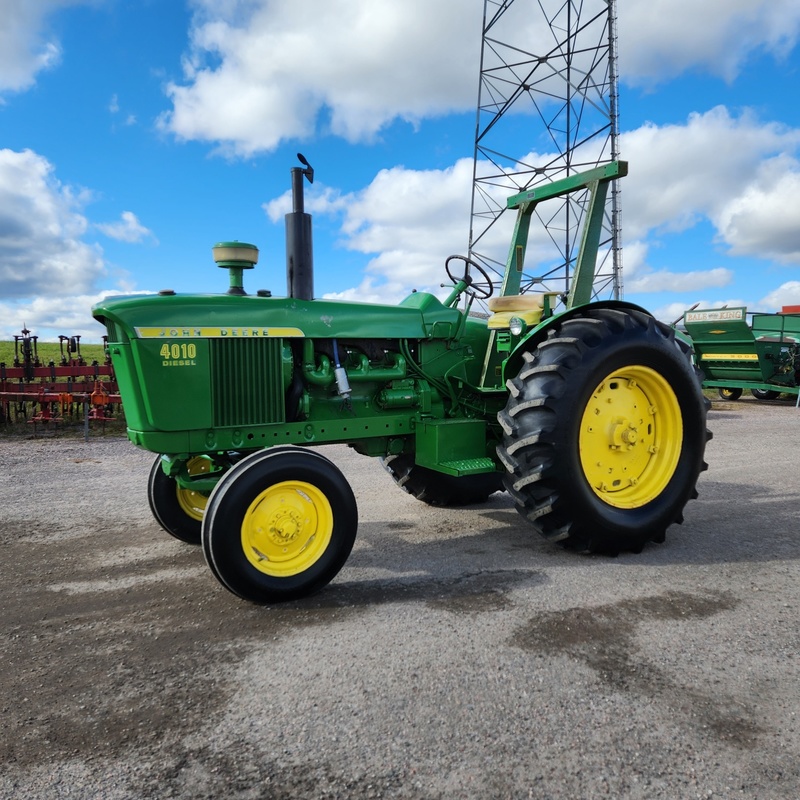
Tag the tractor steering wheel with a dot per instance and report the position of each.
(481, 289)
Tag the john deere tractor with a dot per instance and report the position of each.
(589, 414)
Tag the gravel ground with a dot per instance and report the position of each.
(457, 655)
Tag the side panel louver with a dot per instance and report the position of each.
(111, 331)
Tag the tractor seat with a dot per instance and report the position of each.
(527, 307)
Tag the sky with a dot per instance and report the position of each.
(135, 134)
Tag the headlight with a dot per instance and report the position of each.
(516, 326)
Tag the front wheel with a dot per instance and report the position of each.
(604, 432)
(178, 511)
(279, 525)
(765, 394)
(730, 394)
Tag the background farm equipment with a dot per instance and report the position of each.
(590, 415)
(737, 351)
(55, 391)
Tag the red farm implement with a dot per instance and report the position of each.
(51, 392)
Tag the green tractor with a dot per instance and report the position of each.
(592, 418)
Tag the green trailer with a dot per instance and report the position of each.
(589, 414)
(737, 351)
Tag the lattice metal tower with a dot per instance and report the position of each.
(547, 108)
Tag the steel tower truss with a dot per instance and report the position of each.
(547, 107)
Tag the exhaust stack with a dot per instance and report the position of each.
(299, 248)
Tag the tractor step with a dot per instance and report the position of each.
(467, 466)
(453, 446)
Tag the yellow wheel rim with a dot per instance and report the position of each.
(630, 437)
(287, 528)
(191, 502)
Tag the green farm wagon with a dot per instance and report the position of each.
(737, 351)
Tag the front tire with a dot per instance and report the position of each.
(604, 432)
(279, 525)
(730, 394)
(178, 511)
(436, 488)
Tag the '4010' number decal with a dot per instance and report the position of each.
(178, 354)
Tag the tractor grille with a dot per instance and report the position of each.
(246, 382)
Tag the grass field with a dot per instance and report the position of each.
(51, 351)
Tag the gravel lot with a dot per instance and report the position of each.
(457, 655)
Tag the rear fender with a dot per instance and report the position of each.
(513, 364)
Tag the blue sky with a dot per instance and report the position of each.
(135, 135)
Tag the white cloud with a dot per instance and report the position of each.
(128, 229)
(41, 226)
(54, 316)
(262, 72)
(259, 72)
(26, 45)
(737, 173)
(368, 292)
(48, 274)
(634, 258)
(660, 39)
(682, 172)
(403, 208)
(670, 313)
(787, 294)
(763, 219)
(319, 199)
(409, 220)
(666, 281)
(24, 50)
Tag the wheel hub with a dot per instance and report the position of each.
(625, 434)
(630, 437)
(287, 528)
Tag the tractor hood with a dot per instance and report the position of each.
(169, 315)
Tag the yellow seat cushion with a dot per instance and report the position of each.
(516, 302)
(527, 307)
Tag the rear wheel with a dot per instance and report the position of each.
(178, 511)
(279, 525)
(730, 394)
(604, 432)
(765, 394)
(436, 488)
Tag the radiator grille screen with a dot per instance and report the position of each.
(246, 382)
